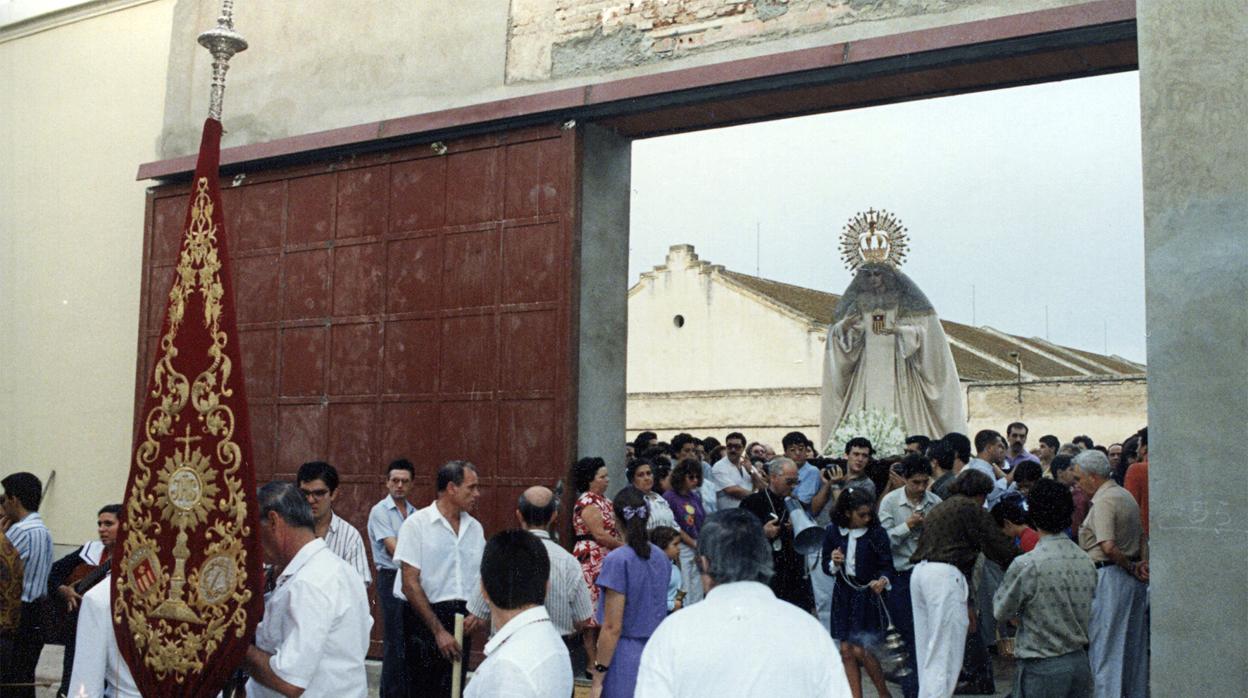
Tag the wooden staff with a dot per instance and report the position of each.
(457, 679)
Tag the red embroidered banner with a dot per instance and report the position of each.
(187, 574)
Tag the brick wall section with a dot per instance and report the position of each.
(564, 38)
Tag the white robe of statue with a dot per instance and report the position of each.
(880, 357)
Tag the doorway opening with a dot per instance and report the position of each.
(1024, 214)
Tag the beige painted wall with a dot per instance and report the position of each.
(80, 109)
(723, 336)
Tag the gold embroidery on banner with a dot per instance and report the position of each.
(175, 631)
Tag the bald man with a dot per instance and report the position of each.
(567, 600)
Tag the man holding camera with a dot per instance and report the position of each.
(858, 452)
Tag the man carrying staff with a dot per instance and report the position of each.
(439, 555)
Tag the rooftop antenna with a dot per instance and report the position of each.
(757, 247)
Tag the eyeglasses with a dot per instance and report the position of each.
(314, 494)
(790, 481)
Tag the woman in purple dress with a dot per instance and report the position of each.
(633, 602)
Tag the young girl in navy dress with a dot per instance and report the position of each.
(856, 551)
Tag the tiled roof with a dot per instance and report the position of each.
(969, 344)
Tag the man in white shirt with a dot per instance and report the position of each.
(567, 598)
(99, 669)
(697, 651)
(314, 634)
(383, 533)
(901, 514)
(734, 477)
(526, 657)
(318, 481)
(439, 555)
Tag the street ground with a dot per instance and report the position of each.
(48, 675)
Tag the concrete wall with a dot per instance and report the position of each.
(569, 38)
(724, 335)
(1194, 98)
(321, 64)
(603, 312)
(1107, 409)
(762, 415)
(79, 110)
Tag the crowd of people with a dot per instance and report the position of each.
(909, 571)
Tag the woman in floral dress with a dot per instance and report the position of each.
(594, 532)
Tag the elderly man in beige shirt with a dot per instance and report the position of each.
(1114, 538)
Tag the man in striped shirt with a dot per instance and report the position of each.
(24, 529)
(567, 599)
(318, 481)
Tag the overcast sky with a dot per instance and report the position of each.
(1032, 195)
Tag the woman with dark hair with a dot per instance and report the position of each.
(662, 474)
(685, 499)
(640, 474)
(70, 578)
(857, 552)
(593, 530)
(633, 602)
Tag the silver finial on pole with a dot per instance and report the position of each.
(223, 42)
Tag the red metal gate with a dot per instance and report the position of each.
(411, 303)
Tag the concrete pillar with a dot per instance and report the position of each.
(1194, 104)
(605, 171)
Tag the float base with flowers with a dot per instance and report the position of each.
(882, 428)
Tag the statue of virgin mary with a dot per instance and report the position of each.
(886, 348)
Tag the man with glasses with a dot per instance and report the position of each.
(383, 533)
(734, 476)
(318, 481)
(790, 582)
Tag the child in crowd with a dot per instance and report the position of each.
(668, 539)
(856, 550)
(1012, 519)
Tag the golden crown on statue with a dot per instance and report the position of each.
(874, 237)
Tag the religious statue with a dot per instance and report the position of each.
(886, 349)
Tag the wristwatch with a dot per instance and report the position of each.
(600, 668)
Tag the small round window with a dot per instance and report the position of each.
(679, 321)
